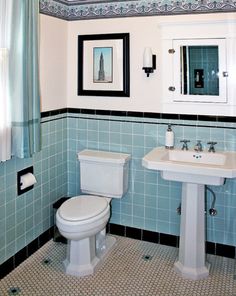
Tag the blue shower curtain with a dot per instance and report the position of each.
(24, 77)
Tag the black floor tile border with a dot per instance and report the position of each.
(33, 246)
(140, 114)
(133, 233)
(121, 230)
(24, 253)
(225, 251)
(168, 240)
(116, 229)
(150, 236)
(7, 267)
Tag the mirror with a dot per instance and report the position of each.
(199, 70)
(200, 73)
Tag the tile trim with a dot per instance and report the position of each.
(107, 9)
(168, 239)
(11, 263)
(121, 230)
(143, 115)
(138, 114)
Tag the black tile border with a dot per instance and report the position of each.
(168, 239)
(133, 232)
(138, 114)
(24, 253)
(121, 230)
(225, 251)
(32, 247)
(210, 248)
(116, 229)
(53, 112)
(150, 236)
(20, 256)
(7, 267)
(169, 116)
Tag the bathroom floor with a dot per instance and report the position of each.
(132, 268)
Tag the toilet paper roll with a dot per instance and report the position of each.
(27, 180)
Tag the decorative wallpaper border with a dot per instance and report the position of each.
(76, 10)
(83, 2)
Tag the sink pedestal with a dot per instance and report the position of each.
(194, 170)
(191, 263)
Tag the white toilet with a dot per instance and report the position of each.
(82, 219)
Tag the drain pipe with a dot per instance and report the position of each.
(178, 210)
(212, 210)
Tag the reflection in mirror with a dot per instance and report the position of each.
(199, 70)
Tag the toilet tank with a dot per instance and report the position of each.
(104, 173)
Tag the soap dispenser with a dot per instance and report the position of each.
(169, 143)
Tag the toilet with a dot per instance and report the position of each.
(82, 219)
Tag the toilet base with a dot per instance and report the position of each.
(78, 265)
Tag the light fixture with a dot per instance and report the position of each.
(149, 61)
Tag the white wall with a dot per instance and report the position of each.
(53, 63)
(143, 91)
(59, 63)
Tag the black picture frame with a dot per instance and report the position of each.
(122, 61)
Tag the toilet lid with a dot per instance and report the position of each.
(82, 207)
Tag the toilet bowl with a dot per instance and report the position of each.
(82, 219)
(82, 216)
(79, 220)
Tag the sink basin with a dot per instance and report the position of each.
(195, 157)
(191, 166)
(194, 170)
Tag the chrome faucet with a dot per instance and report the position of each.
(185, 144)
(198, 146)
(212, 146)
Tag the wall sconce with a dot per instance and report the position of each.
(149, 61)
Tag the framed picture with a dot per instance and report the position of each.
(103, 65)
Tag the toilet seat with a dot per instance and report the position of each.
(83, 207)
(90, 222)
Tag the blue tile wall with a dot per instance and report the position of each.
(151, 202)
(23, 218)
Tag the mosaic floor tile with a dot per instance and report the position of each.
(133, 268)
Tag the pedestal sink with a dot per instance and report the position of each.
(194, 170)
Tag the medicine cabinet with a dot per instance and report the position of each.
(198, 66)
(199, 71)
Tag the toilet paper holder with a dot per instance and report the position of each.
(19, 175)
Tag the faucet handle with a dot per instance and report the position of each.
(184, 141)
(198, 146)
(212, 146)
(185, 144)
